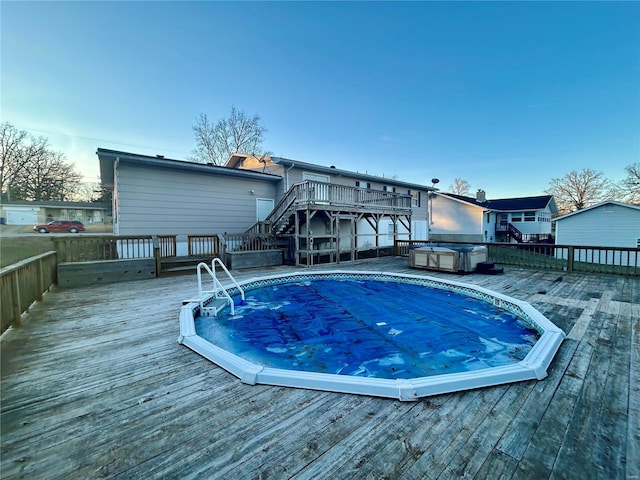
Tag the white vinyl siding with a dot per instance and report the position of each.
(455, 221)
(615, 226)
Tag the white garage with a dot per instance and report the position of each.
(21, 215)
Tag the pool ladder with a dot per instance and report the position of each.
(218, 297)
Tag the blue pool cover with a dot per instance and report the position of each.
(368, 328)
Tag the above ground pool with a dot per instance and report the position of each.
(390, 335)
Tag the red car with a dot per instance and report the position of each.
(71, 226)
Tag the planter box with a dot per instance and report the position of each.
(76, 274)
(254, 258)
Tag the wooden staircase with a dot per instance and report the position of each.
(513, 232)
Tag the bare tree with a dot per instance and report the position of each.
(630, 186)
(236, 133)
(17, 151)
(577, 190)
(460, 186)
(30, 170)
(91, 192)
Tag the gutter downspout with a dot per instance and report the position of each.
(114, 199)
(286, 178)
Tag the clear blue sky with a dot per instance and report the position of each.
(503, 95)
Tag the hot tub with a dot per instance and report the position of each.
(448, 257)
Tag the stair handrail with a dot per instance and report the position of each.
(216, 284)
(217, 261)
(283, 205)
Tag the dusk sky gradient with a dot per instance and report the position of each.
(505, 95)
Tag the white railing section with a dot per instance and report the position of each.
(218, 292)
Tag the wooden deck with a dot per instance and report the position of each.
(95, 385)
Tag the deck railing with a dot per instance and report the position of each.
(308, 193)
(242, 242)
(23, 283)
(204, 245)
(92, 248)
(167, 244)
(109, 247)
(544, 256)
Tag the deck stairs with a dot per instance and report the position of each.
(488, 268)
(513, 232)
(282, 218)
(181, 264)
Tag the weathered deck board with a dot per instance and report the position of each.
(94, 385)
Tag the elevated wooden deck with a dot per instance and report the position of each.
(94, 385)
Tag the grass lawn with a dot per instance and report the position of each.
(18, 243)
(14, 249)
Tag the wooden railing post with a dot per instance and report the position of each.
(156, 253)
(223, 248)
(41, 287)
(570, 259)
(17, 311)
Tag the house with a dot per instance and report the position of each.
(606, 224)
(347, 211)
(476, 219)
(22, 212)
(318, 210)
(160, 196)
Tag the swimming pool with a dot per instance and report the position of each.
(390, 335)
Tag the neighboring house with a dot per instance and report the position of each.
(33, 213)
(607, 224)
(323, 209)
(468, 219)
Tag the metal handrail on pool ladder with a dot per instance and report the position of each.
(217, 286)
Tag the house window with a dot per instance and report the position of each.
(415, 198)
(516, 217)
(529, 216)
(388, 189)
(315, 177)
(363, 184)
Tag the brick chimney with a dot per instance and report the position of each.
(481, 196)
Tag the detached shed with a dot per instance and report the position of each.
(607, 224)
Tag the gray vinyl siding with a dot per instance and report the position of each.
(169, 201)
